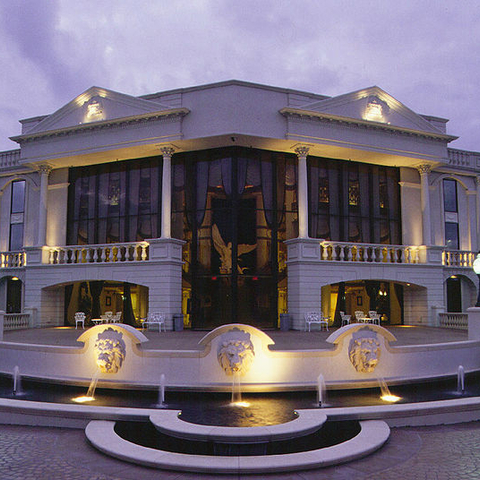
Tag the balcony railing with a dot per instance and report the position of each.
(365, 252)
(9, 159)
(13, 259)
(107, 253)
(16, 321)
(453, 320)
(458, 258)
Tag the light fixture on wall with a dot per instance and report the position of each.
(15, 279)
(476, 269)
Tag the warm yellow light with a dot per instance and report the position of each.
(83, 399)
(240, 404)
(390, 398)
(15, 279)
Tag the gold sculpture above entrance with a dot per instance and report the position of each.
(225, 252)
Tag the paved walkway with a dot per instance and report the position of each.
(188, 339)
(428, 453)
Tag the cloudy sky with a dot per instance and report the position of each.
(425, 53)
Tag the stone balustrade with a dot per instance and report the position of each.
(462, 158)
(13, 259)
(458, 258)
(9, 159)
(453, 320)
(368, 252)
(16, 321)
(106, 253)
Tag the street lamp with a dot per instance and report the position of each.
(476, 269)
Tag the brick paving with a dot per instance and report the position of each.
(447, 452)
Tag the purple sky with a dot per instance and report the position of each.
(425, 53)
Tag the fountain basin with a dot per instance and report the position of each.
(169, 423)
(269, 370)
(373, 434)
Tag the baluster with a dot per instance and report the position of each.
(144, 252)
(341, 253)
(324, 252)
(103, 254)
(401, 255)
(349, 253)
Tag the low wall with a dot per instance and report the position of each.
(359, 355)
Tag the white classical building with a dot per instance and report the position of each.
(237, 202)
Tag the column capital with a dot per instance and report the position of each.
(424, 169)
(302, 151)
(167, 151)
(44, 169)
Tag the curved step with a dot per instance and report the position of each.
(170, 423)
(373, 434)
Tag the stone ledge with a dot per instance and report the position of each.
(169, 423)
(372, 436)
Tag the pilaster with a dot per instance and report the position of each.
(44, 172)
(424, 171)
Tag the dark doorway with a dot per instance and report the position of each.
(454, 295)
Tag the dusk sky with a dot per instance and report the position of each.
(425, 53)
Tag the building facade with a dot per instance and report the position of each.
(237, 202)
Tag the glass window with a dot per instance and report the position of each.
(115, 202)
(18, 197)
(450, 195)
(451, 235)
(353, 202)
(17, 208)
(16, 236)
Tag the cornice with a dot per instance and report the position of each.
(105, 124)
(340, 120)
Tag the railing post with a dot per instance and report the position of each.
(32, 313)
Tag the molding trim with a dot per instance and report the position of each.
(298, 113)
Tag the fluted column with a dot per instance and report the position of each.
(44, 171)
(167, 153)
(302, 192)
(424, 170)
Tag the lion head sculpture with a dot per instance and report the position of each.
(235, 352)
(364, 353)
(110, 350)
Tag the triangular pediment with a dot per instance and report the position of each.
(372, 105)
(96, 105)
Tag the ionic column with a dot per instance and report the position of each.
(44, 171)
(424, 170)
(302, 192)
(166, 231)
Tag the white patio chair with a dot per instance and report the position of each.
(345, 318)
(155, 319)
(79, 319)
(360, 316)
(315, 317)
(374, 317)
(116, 317)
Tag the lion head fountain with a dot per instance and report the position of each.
(235, 352)
(110, 350)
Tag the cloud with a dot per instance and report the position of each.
(422, 53)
